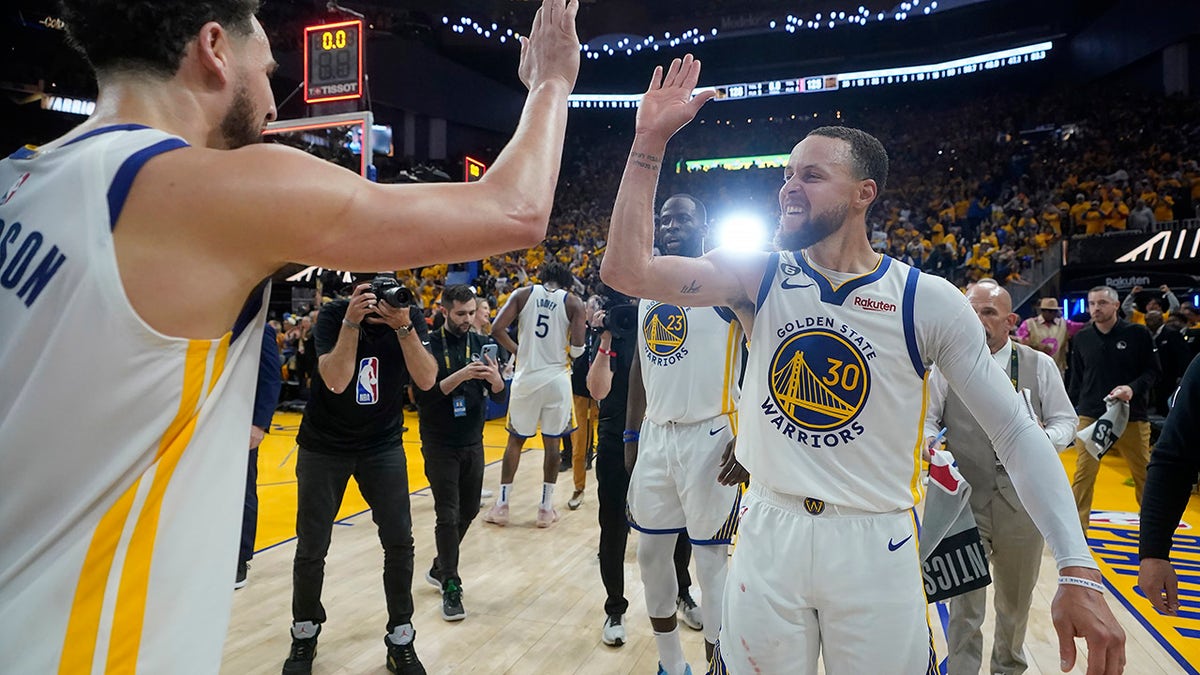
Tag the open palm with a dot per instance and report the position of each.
(668, 104)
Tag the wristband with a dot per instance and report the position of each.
(1086, 583)
(631, 436)
(348, 322)
(610, 353)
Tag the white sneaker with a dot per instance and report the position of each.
(546, 517)
(486, 494)
(497, 515)
(689, 611)
(575, 500)
(614, 633)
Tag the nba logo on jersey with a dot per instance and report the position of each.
(368, 381)
(13, 190)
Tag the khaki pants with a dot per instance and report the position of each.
(1133, 445)
(587, 411)
(1014, 548)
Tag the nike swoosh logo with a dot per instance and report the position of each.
(786, 284)
(893, 547)
(714, 433)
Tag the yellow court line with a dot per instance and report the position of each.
(277, 475)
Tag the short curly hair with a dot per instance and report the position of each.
(556, 273)
(136, 35)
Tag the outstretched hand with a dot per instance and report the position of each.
(1159, 584)
(731, 471)
(1081, 612)
(668, 104)
(552, 47)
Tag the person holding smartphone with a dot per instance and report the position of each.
(451, 415)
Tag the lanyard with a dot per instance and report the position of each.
(1012, 367)
(446, 350)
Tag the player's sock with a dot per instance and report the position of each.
(670, 652)
(505, 489)
(547, 496)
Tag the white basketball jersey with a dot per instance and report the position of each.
(834, 386)
(543, 332)
(691, 360)
(122, 450)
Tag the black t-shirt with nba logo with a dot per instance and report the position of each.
(369, 414)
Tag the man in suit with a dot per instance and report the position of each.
(1013, 542)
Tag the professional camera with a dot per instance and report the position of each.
(620, 312)
(391, 291)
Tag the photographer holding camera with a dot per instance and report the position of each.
(452, 414)
(368, 347)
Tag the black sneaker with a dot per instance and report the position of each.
(433, 576)
(240, 580)
(304, 650)
(564, 460)
(591, 456)
(402, 659)
(452, 607)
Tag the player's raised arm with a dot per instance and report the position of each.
(278, 205)
(629, 264)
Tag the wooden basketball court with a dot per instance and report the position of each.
(534, 599)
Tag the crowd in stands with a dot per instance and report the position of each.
(981, 189)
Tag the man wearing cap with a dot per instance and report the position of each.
(1048, 332)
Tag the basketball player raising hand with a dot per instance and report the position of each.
(146, 229)
(832, 426)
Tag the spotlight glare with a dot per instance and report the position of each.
(742, 232)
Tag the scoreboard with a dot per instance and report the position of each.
(333, 62)
(473, 169)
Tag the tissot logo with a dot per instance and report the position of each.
(873, 305)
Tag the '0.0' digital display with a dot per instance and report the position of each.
(333, 62)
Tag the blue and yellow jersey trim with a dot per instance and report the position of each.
(915, 483)
(203, 357)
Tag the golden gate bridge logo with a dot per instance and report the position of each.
(819, 380)
(665, 329)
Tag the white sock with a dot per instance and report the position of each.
(304, 629)
(670, 652)
(402, 634)
(505, 489)
(547, 496)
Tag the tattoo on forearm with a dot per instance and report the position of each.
(690, 289)
(645, 161)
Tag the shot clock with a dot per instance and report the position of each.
(333, 62)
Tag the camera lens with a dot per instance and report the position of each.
(397, 296)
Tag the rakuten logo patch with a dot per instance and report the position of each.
(873, 305)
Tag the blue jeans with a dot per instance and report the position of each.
(382, 477)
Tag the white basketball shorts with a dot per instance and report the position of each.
(540, 400)
(674, 484)
(808, 577)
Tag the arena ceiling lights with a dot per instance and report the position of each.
(629, 44)
(821, 83)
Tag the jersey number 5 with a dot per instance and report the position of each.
(543, 326)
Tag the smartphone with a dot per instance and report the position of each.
(491, 351)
